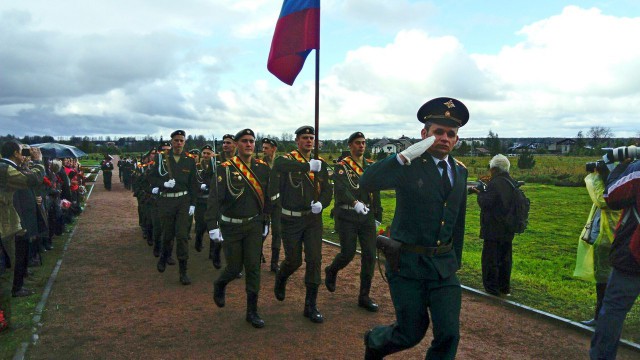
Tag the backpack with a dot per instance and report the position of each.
(517, 217)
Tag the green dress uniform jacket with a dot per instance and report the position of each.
(347, 191)
(237, 207)
(423, 215)
(289, 180)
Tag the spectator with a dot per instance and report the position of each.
(12, 179)
(494, 204)
(623, 285)
(592, 262)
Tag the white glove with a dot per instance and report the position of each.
(192, 209)
(315, 165)
(316, 207)
(155, 190)
(266, 230)
(378, 223)
(215, 235)
(203, 187)
(414, 151)
(360, 208)
(170, 184)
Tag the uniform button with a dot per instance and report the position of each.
(439, 242)
(445, 204)
(442, 223)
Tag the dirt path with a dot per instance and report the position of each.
(109, 301)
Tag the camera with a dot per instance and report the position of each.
(26, 151)
(622, 153)
(599, 165)
(480, 185)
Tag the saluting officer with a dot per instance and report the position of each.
(204, 174)
(269, 149)
(356, 212)
(236, 211)
(304, 189)
(431, 199)
(175, 175)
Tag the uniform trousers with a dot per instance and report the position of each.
(174, 217)
(414, 300)
(350, 232)
(298, 233)
(242, 246)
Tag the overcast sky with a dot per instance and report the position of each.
(148, 67)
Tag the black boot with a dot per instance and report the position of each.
(330, 278)
(184, 278)
(369, 353)
(162, 263)
(275, 257)
(219, 293)
(170, 260)
(216, 256)
(310, 309)
(280, 288)
(364, 301)
(252, 311)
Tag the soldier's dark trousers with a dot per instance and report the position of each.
(21, 261)
(242, 247)
(106, 177)
(147, 220)
(350, 232)
(174, 217)
(413, 301)
(201, 224)
(496, 266)
(156, 228)
(276, 235)
(298, 232)
(5, 279)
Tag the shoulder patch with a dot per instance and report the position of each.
(369, 161)
(260, 161)
(226, 163)
(190, 155)
(460, 163)
(341, 163)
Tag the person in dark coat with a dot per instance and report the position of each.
(495, 201)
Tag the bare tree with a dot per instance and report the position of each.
(599, 134)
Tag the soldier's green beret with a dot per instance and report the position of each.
(270, 142)
(244, 132)
(178, 132)
(355, 135)
(302, 130)
(227, 136)
(207, 147)
(194, 151)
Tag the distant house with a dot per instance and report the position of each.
(562, 146)
(390, 146)
(480, 151)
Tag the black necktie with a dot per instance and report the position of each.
(446, 183)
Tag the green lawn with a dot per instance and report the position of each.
(543, 257)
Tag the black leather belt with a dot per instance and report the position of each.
(427, 251)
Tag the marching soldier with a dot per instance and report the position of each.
(356, 213)
(236, 212)
(196, 158)
(174, 173)
(431, 199)
(107, 167)
(156, 224)
(142, 191)
(228, 148)
(204, 173)
(304, 190)
(269, 148)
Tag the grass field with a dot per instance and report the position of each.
(543, 257)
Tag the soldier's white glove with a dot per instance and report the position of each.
(170, 184)
(315, 165)
(316, 207)
(203, 187)
(360, 208)
(215, 235)
(414, 151)
(378, 223)
(155, 191)
(192, 210)
(265, 232)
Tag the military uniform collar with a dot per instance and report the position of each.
(436, 160)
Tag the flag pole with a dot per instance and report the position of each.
(317, 105)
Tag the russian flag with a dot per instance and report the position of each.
(297, 33)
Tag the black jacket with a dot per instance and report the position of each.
(494, 205)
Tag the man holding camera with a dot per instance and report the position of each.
(495, 201)
(428, 228)
(623, 287)
(12, 178)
